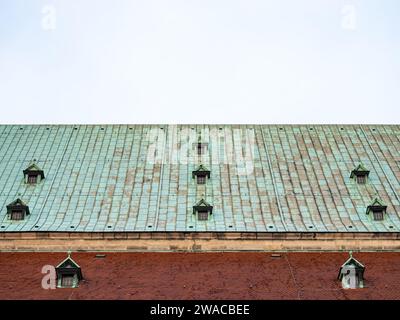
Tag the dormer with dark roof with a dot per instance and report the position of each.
(360, 174)
(201, 174)
(378, 209)
(69, 273)
(351, 273)
(203, 210)
(33, 174)
(17, 210)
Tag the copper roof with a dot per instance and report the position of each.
(99, 178)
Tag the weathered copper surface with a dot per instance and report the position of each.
(100, 179)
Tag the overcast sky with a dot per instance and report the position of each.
(200, 61)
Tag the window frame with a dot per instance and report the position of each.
(378, 213)
(201, 214)
(34, 177)
(201, 179)
(69, 277)
(361, 179)
(17, 212)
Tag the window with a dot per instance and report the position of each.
(378, 215)
(202, 215)
(360, 174)
(67, 280)
(201, 173)
(361, 179)
(32, 179)
(201, 179)
(377, 210)
(17, 210)
(351, 274)
(17, 215)
(200, 149)
(33, 174)
(203, 209)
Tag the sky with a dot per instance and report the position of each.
(200, 61)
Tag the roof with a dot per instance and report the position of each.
(197, 276)
(98, 178)
(68, 262)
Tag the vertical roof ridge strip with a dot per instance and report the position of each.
(139, 149)
(272, 176)
(253, 157)
(285, 156)
(325, 142)
(321, 158)
(161, 180)
(55, 175)
(303, 164)
(76, 182)
(379, 163)
(90, 181)
(111, 217)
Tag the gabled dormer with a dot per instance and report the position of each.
(351, 273)
(378, 209)
(360, 174)
(201, 174)
(203, 209)
(33, 174)
(68, 273)
(17, 210)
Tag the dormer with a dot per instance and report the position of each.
(202, 209)
(360, 174)
(378, 209)
(351, 274)
(69, 273)
(201, 174)
(33, 174)
(17, 210)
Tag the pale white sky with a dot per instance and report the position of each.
(192, 61)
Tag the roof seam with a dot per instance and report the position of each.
(273, 180)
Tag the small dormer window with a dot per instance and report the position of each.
(351, 274)
(360, 174)
(201, 174)
(203, 210)
(33, 174)
(17, 210)
(377, 209)
(69, 273)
